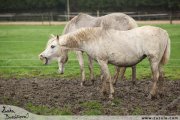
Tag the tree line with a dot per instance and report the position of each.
(88, 5)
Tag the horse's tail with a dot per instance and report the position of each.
(166, 55)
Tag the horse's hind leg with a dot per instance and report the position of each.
(155, 73)
(116, 75)
(101, 76)
(91, 68)
(134, 74)
(122, 71)
(81, 63)
(161, 80)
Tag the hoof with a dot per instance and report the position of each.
(60, 72)
(92, 81)
(111, 97)
(82, 84)
(104, 93)
(115, 84)
(134, 82)
(161, 94)
(151, 97)
(87, 83)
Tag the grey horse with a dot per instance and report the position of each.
(117, 21)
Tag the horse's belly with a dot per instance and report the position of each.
(125, 61)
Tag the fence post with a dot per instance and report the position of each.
(97, 13)
(170, 17)
(42, 18)
(68, 10)
(52, 17)
(49, 16)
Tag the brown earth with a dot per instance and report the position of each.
(129, 99)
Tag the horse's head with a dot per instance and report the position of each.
(51, 51)
(54, 51)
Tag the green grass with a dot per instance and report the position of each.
(44, 110)
(20, 46)
(137, 111)
(92, 108)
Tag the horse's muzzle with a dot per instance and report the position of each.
(44, 59)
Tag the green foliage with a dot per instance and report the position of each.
(116, 5)
(31, 5)
(87, 5)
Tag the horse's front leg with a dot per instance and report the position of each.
(107, 79)
(91, 68)
(81, 63)
(61, 62)
(61, 67)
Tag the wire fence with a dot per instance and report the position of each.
(71, 66)
(52, 16)
(52, 66)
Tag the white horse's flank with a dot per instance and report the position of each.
(122, 48)
(118, 21)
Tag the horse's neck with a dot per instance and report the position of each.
(78, 38)
(63, 52)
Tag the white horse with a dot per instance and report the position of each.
(120, 48)
(118, 21)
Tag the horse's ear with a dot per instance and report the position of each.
(51, 36)
(57, 37)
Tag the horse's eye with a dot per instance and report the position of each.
(52, 46)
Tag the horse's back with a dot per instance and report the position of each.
(154, 33)
(85, 20)
(79, 21)
(129, 47)
(144, 38)
(118, 21)
(154, 40)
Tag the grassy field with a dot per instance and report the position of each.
(19, 49)
(20, 46)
